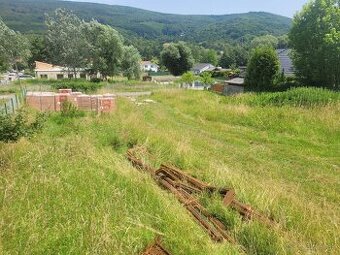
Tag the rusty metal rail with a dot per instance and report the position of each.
(212, 225)
(155, 248)
(184, 187)
(193, 185)
(139, 164)
(172, 180)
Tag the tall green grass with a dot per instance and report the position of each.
(110, 86)
(74, 84)
(71, 190)
(298, 97)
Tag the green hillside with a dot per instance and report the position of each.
(28, 16)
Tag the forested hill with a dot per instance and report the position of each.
(27, 16)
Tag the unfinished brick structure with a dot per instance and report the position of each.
(50, 101)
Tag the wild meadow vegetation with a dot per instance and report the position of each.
(66, 186)
(115, 84)
(69, 189)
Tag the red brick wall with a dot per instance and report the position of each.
(47, 101)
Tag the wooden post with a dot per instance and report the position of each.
(12, 103)
(17, 100)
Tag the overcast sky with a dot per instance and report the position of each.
(283, 7)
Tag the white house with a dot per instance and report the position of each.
(148, 66)
(52, 72)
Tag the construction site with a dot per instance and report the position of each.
(52, 102)
(173, 172)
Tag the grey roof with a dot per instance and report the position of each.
(285, 61)
(236, 81)
(202, 66)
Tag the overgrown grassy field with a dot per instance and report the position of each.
(116, 84)
(70, 189)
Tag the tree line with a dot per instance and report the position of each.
(315, 42)
(69, 41)
(73, 43)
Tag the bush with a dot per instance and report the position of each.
(69, 110)
(74, 84)
(13, 127)
(96, 80)
(78, 85)
(299, 97)
(262, 70)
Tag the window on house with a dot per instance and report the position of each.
(60, 76)
(70, 76)
(82, 76)
(43, 76)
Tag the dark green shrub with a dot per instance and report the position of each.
(80, 85)
(96, 80)
(13, 127)
(77, 85)
(262, 70)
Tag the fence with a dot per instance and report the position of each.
(10, 103)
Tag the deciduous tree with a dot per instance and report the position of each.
(264, 41)
(209, 56)
(315, 39)
(131, 63)
(177, 58)
(14, 48)
(262, 70)
(38, 48)
(206, 78)
(66, 42)
(188, 78)
(105, 48)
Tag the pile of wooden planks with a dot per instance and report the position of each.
(155, 248)
(185, 187)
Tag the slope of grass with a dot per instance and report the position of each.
(299, 97)
(71, 190)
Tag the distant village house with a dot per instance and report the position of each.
(148, 66)
(52, 72)
(230, 87)
(234, 86)
(202, 67)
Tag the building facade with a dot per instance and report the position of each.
(52, 72)
(148, 66)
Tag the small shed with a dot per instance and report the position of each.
(234, 86)
(217, 88)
